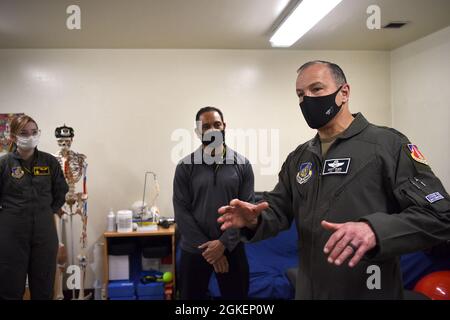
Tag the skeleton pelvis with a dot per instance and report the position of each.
(71, 201)
(72, 198)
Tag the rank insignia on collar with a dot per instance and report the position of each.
(17, 172)
(304, 172)
(416, 154)
(41, 171)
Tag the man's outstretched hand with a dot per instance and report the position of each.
(349, 240)
(240, 214)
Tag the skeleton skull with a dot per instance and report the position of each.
(64, 143)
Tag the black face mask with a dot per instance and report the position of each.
(213, 138)
(318, 111)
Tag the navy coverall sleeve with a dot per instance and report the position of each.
(1, 172)
(2, 167)
(279, 215)
(231, 237)
(186, 223)
(59, 186)
(424, 216)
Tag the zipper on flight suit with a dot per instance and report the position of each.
(353, 177)
(320, 161)
(316, 198)
(216, 169)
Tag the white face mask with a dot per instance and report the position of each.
(27, 143)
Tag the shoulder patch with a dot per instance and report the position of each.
(416, 154)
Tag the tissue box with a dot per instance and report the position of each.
(119, 267)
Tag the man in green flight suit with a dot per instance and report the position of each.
(361, 195)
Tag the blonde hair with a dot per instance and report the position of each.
(17, 124)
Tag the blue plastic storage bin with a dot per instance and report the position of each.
(157, 297)
(150, 289)
(121, 288)
(124, 298)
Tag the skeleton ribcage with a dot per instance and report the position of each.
(72, 166)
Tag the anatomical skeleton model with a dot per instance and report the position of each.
(74, 167)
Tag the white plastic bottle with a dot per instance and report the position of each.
(111, 221)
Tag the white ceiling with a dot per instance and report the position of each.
(215, 24)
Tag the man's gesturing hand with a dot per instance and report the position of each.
(240, 214)
(348, 239)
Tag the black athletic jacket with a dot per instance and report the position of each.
(200, 189)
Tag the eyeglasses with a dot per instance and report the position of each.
(31, 133)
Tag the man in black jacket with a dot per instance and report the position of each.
(204, 181)
(361, 195)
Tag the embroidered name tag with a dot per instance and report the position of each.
(41, 171)
(336, 166)
(433, 197)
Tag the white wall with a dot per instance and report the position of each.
(125, 104)
(420, 77)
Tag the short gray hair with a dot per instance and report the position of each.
(336, 71)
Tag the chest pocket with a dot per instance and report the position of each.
(305, 190)
(363, 173)
(355, 195)
(42, 184)
(16, 181)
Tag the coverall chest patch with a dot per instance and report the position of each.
(336, 166)
(41, 171)
(17, 172)
(304, 172)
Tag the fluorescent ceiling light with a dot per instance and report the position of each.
(301, 20)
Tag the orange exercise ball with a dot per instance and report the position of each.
(435, 285)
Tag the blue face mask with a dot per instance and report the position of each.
(318, 111)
